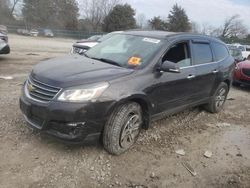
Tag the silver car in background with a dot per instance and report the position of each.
(4, 46)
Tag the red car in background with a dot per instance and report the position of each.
(242, 73)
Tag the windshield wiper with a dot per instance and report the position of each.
(109, 61)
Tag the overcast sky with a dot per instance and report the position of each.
(212, 12)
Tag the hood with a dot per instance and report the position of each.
(85, 40)
(245, 64)
(87, 43)
(74, 70)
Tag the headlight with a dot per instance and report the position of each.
(83, 94)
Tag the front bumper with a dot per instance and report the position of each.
(5, 50)
(242, 81)
(70, 122)
(240, 78)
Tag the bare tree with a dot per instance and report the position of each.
(13, 6)
(141, 20)
(195, 27)
(207, 29)
(96, 10)
(233, 27)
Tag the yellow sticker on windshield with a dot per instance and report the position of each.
(134, 61)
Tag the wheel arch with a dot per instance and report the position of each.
(142, 100)
(228, 82)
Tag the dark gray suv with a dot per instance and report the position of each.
(122, 84)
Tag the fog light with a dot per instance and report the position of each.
(76, 124)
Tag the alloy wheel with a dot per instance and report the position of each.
(130, 131)
(221, 98)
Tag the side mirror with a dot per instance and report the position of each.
(168, 66)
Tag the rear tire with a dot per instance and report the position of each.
(219, 99)
(123, 128)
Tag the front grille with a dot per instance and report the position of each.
(79, 50)
(41, 91)
(246, 72)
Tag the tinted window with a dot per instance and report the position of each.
(220, 51)
(179, 54)
(202, 53)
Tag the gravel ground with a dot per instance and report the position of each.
(29, 159)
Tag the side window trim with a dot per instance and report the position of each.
(200, 41)
(199, 65)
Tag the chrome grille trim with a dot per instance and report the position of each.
(42, 92)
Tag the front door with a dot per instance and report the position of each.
(172, 90)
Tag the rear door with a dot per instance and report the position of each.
(206, 68)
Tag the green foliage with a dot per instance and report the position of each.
(120, 18)
(157, 23)
(178, 20)
(48, 13)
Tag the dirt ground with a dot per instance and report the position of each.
(29, 159)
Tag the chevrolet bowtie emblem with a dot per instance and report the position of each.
(30, 87)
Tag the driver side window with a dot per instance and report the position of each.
(180, 54)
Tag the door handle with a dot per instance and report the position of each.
(215, 71)
(191, 77)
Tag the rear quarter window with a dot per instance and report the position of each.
(202, 53)
(220, 51)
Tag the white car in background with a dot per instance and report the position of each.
(244, 48)
(34, 32)
(83, 45)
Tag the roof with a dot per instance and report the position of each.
(150, 33)
(167, 35)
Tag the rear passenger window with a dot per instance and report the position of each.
(202, 53)
(220, 51)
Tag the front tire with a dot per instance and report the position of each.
(123, 128)
(219, 99)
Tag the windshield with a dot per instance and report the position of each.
(94, 38)
(126, 50)
(107, 36)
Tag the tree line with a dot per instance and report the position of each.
(109, 15)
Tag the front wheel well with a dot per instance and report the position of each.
(228, 82)
(145, 111)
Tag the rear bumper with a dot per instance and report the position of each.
(5, 50)
(70, 122)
